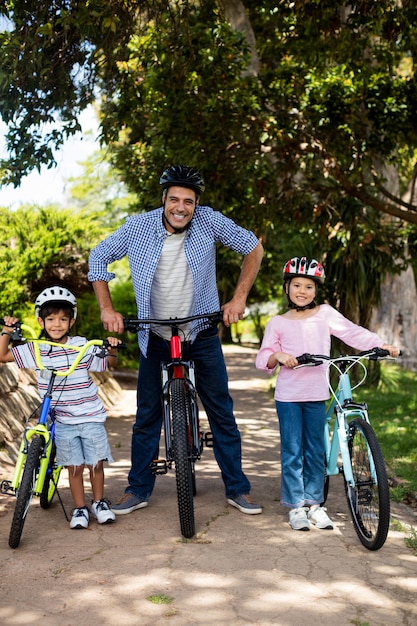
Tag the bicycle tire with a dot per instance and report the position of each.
(25, 490)
(51, 480)
(183, 473)
(368, 501)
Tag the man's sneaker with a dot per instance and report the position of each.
(245, 504)
(102, 512)
(80, 518)
(298, 519)
(318, 516)
(128, 503)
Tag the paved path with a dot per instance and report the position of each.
(241, 570)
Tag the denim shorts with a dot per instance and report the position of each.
(79, 444)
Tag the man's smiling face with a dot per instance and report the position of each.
(179, 206)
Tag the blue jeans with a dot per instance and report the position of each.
(212, 387)
(301, 426)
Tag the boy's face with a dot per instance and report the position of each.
(57, 325)
(302, 291)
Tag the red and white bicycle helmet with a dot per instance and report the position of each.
(56, 295)
(301, 266)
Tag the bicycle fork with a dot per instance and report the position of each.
(40, 429)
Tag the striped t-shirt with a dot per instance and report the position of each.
(172, 293)
(74, 398)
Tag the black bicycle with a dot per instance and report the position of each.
(184, 441)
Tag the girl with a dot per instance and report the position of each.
(300, 394)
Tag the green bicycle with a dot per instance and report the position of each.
(36, 472)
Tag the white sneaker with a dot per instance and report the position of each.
(318, 516)
(298, 519)
(101, 511)
(80, 518)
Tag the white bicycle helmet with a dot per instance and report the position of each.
(55, 295)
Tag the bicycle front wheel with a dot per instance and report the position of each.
(183, 472)
(51, 481)
(25, 490)
(368, 499)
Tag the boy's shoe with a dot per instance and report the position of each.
(318, 516)
(298, 519)
(245, 504)
(102, 512)
(128, 503)
(80, 518)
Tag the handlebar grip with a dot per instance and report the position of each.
(305, 358)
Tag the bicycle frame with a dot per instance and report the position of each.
(344, 409)
(183, 440)
(178, 369)
(353, 450)
(36, 456)
(44, 428)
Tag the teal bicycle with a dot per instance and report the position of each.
(36, 472)
(352, 448)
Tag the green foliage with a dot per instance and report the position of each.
(298, 115)
(392, 410)
(41, 247)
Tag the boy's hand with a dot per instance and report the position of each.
(10, 322)
(114, 341)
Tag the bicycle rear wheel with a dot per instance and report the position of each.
(368, 499)
(25, 490)
(183, 473)
(51, 481)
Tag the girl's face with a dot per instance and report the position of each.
(302, 291)
(57, 325)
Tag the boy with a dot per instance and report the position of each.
(80, 435)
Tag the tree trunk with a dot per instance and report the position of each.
(395, 320)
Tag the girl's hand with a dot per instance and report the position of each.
(393, 350)
(283, 359)
(287, 360)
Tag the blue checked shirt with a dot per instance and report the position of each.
(141, 238)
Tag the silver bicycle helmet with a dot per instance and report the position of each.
(56, 295)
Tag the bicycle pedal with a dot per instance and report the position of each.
(5, 487)
(159, 467)
(208, 439)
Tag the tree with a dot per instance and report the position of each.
(293, 111)
(41, 247)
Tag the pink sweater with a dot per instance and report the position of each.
(313, 335)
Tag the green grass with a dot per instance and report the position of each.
(392, 410)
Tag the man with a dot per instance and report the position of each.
(172, 252)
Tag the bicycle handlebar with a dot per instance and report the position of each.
(373, 354)
(134, 325)
(17, 336)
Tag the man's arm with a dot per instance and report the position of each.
(112, 320)
(235, 308)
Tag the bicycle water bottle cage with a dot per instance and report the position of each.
(349, 404)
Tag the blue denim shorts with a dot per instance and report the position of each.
(77, 444)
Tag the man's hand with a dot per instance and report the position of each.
(112, 321)
(233, 311)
